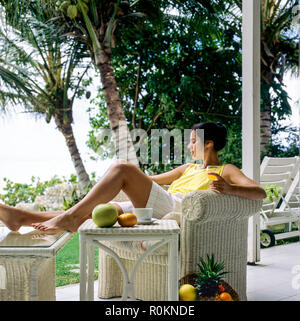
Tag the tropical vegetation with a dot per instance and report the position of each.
(279, 54)
(14, 192)
(166, 64)
(42, 73)
(162, 65)
(191, 71)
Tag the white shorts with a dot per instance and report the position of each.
(162, 202)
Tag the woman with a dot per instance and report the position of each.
(144, 191)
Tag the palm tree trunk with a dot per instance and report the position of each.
(124, 145)
(265, 128)
(67, 131)
(265, 135)
(265, 115)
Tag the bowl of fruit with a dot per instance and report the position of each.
(208, 284)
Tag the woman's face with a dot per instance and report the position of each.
(195, 146)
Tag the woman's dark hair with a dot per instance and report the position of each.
(216, 132)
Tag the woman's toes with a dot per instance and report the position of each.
(37, 226)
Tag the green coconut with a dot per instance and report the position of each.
(72, 12)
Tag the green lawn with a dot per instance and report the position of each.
(288, 240)
(67, 259)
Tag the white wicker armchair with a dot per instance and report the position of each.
(210, 224)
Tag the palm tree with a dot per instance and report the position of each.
(37, 71)
(94, 23)
(279, 53)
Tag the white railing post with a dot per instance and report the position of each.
(251, 111)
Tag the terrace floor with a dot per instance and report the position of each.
(275, 278)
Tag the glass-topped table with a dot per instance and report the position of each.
(27, 237)
(27, 263)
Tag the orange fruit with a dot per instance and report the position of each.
(127, 219)
(224, 296)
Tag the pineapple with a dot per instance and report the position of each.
(207, 281)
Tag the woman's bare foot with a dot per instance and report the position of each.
(62, 222)
(11, 218)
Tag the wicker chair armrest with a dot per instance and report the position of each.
(208, 206)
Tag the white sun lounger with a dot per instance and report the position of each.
(281, 172)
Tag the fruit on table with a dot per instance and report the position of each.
(187, 293)
(224, 296)
(104, 215)
(127, 219)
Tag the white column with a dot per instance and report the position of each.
(251, 110)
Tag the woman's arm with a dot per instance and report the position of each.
(169, 177)
(234, 182)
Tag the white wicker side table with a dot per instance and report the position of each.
(27, 264)
(164, 231)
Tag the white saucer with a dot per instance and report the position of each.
(146, 222)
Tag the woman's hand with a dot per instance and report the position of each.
(220, 185)
(234, 182)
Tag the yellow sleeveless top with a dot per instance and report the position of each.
(192, 179)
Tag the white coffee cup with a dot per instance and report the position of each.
(143, 214)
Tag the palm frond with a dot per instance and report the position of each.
(94, 13)
(111, 26)
(91, 31)
(12, 81)
(38, 60)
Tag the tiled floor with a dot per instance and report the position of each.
(275, 278)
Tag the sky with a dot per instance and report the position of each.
(31, 147)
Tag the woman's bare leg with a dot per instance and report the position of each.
(120, 176)
(14, 218)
